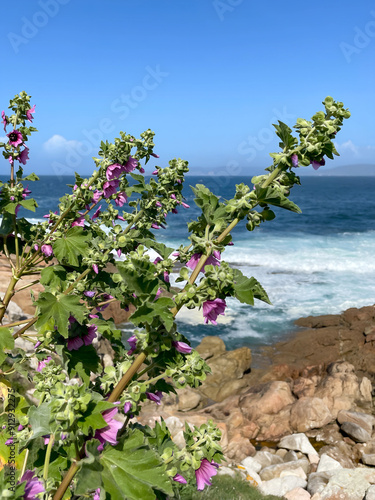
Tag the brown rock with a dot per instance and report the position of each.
(211, 346)
(309, 413)
(267, 399)
(188, 399)
(239, 448)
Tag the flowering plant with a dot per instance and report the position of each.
(78, 437)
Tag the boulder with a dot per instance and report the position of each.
(269, 399)
(273, 471)
(299, 442)
(356, 432)
(297, 494)
(364, 420)
(309, 413)
(327, 463)
(281, 485)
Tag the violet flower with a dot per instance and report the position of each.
(132, 341)
(204, 473)
(95, 268)
(155, 155)
(104, 298)
(29, 114)
(91, 334)
(114, 171)
(20, 427)
(156, 397)
(212, 309)
(110, 187)
(182, 347)
(4, 120)
(33, 486)
(212, 260)
(47, 250)
(157, 294)
(108, 434)
(96, 196)
(9, 441)
(120, 217)
(318, 163)
(15, 138)
(89, 294)
(130, 164)
(121, 199)
(294, 159)
(166, 277)
(127, 407)
(155, 172)
(97, 494)
(42, 364)
(79, 222)
(16, 210)
(173, 196)
(74, 343)
(155, 226)
(179, 479)
(142, 170)
(26, 191)
(185, 205)
(23, 156)
(119, 252)
(158, 204)
(96, 213)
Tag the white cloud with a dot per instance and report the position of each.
(58, 143)
(347, 146)
(4, 139)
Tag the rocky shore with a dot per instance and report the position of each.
(300, 427)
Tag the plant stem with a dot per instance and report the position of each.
(25, 462)
(48, 456)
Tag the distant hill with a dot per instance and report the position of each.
(363, 170)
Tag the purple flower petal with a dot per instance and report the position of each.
(182, 347)
(204, 473)
(212, 309)
(179, 479)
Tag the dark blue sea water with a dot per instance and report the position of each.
(318, 262)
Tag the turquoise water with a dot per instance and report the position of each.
(318, 262)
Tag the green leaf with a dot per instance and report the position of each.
(83, 361)
(246, 289)
(206, 201)
(40, 420)
(143, 283)
(91, 422)
(59, 307)
(31, 177)
(6, 225)
(162, 249)
(71, 245)
(10, 208)
(285, 134)
(134, 471)
(53, 276)
(147, 312)
(29, 204)
(274, 196)
(6, 342)
(89, 475)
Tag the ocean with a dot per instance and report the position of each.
(318, 262)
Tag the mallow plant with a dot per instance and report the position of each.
(78, 435)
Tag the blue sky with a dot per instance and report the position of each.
(209, 77)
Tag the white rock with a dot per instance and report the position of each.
(252, 464)
(297, 494)
(226, 471)
(370, 493)
(299, 472)
(281, 485)
(298, 442)
(328, 463)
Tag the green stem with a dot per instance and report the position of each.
(48, 456)
(25, 462)
(155, 379)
